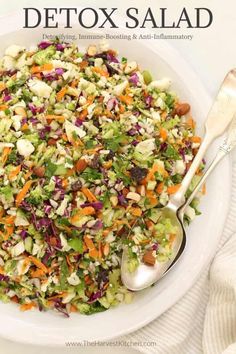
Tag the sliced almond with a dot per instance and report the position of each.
(182, 109)
(92, 50)
(39, 171)
(106, 249)
(133, 196)
(20, 111)
(148, 258)
(114, 200)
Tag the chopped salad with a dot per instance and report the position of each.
(91, 147)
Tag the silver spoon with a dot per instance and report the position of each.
(219, 117)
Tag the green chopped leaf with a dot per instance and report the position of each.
(7, 193)
(171, 123)
(76, 244)
(64, 274)
(147, 77)
(171, 153)
(44, 55)
(55, 170)
(90, 174)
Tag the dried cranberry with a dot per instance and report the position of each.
(94, 163)
(138, 173)
(76, 186)
(112, 71)
(110, 156)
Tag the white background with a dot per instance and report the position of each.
(211, 53)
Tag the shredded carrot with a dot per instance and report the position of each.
(94, 253)
(149, 224)
(70, 172)
(196, 139)
(64, 183)
(152, 198)
(3, 107)
(2, 86)
(14, 172)
(69, 263)
(38, 69)
(99, 249)
(8, 227)
(38, 273)
(122, 222)
(105, 232)
(91, 197)
(93, 151)
(51, 117)
(27, 175)
(100, 71)
(191, 123)
(107, 164)
(136, 211)
(163, 134)
(27, 307)
(15, 299)
(83, 114)
(88, 280)
(74, 83)
(80, 165)
(172, 237)
(21, 195)
(126, 99)
(107, 113)
(73, 308)
(122, 108)
(61, 295)
(160, 187)
(88, 211)
(83, 64)
(6, 152)
(61, 93)
(38, 75)
(9, 219)
(24, 127)
(156, 168)
(38, 263)
(173, 189)
(89, 242)
(164, 115)
(35, 69)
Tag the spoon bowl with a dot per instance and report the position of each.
(148, 275)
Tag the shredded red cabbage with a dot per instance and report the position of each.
(95, 205)
(7, 98)
(59, 71)
(111, 58)
(111, 103)
(148, 101)
(44, 44)
(134, 79)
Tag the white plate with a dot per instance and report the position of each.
(203, 235)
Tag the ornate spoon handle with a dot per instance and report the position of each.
(218, 119)
(228, 145)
